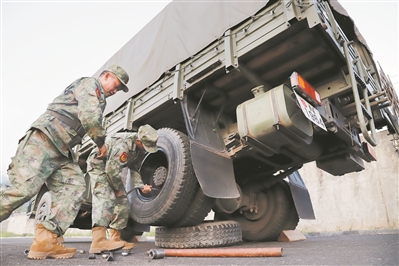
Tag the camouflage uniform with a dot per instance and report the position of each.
(43, 154)
(109, 203)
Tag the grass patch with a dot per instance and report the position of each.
(78, 234)
(9, 234)
(151, 233)
(307, 230)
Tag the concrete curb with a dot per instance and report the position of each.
(387, 231)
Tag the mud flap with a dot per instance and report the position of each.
(214, 172)
(301, 196)
(212, 164)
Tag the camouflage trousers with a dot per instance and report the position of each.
(109, 207)
(37, 162)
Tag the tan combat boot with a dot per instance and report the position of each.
(60, 239)
(46, 245)
(100, 242)
(116, 236)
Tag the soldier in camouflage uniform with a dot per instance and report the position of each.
(44, 157)
(109, 202)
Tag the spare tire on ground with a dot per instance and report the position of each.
(207, 234)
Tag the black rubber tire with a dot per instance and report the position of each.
(197, 211)
(277, 217)
(128, 232)
(207, 234)
(43, 208)
(167, 202)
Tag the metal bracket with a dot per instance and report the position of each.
(177, 84)
(334, 25)
(289, 11)
(129, 115)
(230, 48)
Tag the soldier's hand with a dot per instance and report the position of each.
(146, 189)
(102, 152)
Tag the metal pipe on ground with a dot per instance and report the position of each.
(219, 252)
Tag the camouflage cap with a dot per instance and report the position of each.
(121, 74)
(148, 137)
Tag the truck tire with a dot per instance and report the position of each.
(170, 172)
(292, 221)
(207, 234)
(43, 208)
(128, 232)
(277, 214)
(197, 211)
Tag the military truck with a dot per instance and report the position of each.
(243, 94)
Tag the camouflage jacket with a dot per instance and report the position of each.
(121, 153)
(84, 101)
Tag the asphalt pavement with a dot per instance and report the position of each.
(374, 247)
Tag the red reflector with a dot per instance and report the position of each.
(303, 88)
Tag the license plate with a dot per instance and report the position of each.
(310, 112)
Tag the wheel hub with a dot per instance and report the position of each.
(258, 210)
(160, 175)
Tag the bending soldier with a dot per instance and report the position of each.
(109, 202)
(44, 157)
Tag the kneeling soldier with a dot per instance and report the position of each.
(109, 202)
